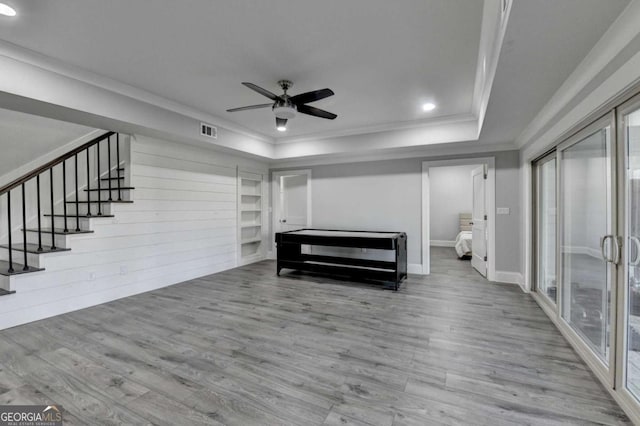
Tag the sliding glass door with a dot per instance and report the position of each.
(545, 184)
(630, 135)
(590, 250)
(588, 247)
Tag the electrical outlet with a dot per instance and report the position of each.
(124, 269)
(92, 276)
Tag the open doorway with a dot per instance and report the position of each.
(291, 200)
(458, 212)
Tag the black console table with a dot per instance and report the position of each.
(290, 254)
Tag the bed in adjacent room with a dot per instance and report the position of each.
(463, 243)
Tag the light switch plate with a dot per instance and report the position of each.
(503, 210)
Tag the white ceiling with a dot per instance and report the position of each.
(544, 42)
(382, 58)
(25, 137)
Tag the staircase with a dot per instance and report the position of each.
(42, 211)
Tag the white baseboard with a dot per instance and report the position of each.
(442, 243)
(509, 277)
(414, 268)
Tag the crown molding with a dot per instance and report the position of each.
(494, 28)
(427, 151)
(379, 128)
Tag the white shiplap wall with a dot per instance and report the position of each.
(182, 225)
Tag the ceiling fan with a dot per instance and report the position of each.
(286, 107)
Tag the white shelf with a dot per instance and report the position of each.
(251, 225)
(252, 240)
(251, 247)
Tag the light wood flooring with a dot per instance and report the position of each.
(245, 347)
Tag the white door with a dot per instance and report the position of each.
(292, 203)
(479, 227)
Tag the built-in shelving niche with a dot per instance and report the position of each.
(251, 208)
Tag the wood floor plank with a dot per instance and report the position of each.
(246, 347)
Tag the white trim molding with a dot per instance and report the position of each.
(510, 278)
(274, 201)
(442, 243)
(414, 268)
(490, 162)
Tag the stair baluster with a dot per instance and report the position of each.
(53, 212)
(9, 229)
(88, 184)
(118, 166)
(39, 214)
(77, 203)
(24, 229)
(64, 194)
(99, 178)
(109, 165)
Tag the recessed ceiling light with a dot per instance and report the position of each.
(7, 10)
(281, 128)
(428, 106)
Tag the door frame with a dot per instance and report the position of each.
(621, 336)
(606, 373)
(490, 206)
(275, 191)
(536, 168)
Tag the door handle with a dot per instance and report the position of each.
(603, 240)
(617, 244)
(283, 220)
(635, 261)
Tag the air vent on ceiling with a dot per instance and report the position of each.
(208, 130)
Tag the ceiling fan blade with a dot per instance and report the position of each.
(281, 122)
(249, 107)
(316, 112)
(263, 92)
(312, 96)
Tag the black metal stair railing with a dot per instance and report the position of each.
(24, 184)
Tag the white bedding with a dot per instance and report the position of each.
(463, 243)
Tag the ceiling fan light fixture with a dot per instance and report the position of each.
(7, 10)
(282, 128)
(429, 106)
(285, 111)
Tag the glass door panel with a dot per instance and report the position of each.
(586, 220)
(546, 229)
(631, 135)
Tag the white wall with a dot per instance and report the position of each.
(25, 137)
(181, 225)
(386, 196)
(451, 194)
